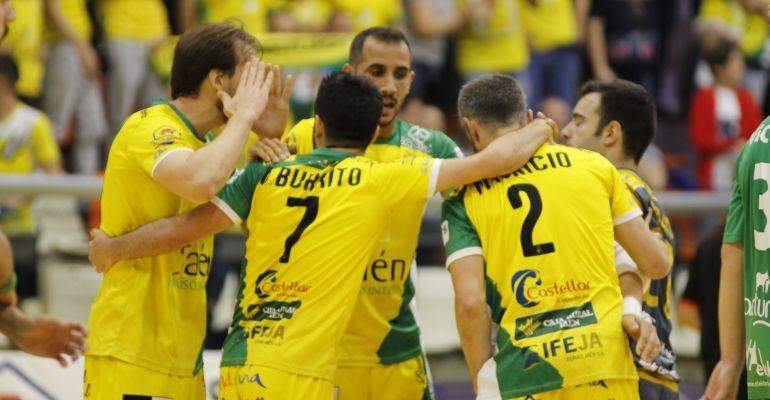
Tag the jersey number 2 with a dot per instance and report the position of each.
(311, 212)
(535, 208)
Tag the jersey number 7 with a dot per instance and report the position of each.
(311, 212)
(535, 208)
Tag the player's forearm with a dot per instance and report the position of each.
(631, 285)
(12, 319)
(505, 154)
(647, 250)
(474, 327)
(210, 167)
(731, 324)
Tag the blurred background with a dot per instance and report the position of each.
(72, 70)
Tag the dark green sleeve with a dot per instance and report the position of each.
(734, 232)
(236, 197)
(735, 217)
(444, 147)
(459, 234)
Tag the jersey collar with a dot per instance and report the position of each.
(181, 116)
(395, 138)
(327, 154)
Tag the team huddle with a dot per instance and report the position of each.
(560, 253)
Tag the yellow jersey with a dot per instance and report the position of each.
(546, 234)
(383, 329)
(550, 24)
(252, 13)
(657, 297)
(369, 13)
(143, 20)
(26, 142)
(499, 45)
(25, 39)
(150, 311)
(76, 13)
(313, 221)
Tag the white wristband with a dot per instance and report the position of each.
(632, 306)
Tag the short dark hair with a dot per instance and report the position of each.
(9, 72)
(718, 53)
(205, 48)
(349, 107)
(493, 100)
(630, 105)
(379, 33)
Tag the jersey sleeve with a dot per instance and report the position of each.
(301, 136)
(412, 179)
(623, 261)
(734, 232)
(156, 140)
(235, 198)
(623, 205)
(444, 147)
(458, 233)
(43, 142)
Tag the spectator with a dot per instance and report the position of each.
(71, 82)
(623, 41)
(699, 305)
(24, 45)
(554, 70)
(429, 23)
(132, 28)
(722, 117)
(494, 42)
(358, 15)
(253, 13)
(26, 144)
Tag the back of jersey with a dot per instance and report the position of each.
(313, 222)
(546, 234)
(748, 223)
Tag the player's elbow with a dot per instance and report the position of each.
(201, 191)
(657, 267)
(470, 306)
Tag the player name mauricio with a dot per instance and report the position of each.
(537, 163)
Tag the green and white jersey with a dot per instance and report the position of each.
(748, 223)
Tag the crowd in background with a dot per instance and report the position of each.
(71, 71)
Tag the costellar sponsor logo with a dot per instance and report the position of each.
(529, 290)
(268, 285)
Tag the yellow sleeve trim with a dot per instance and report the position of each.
(627, 217)
(462, 253)
(225, 208)
(163, 157)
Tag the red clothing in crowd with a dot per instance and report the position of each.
(709, 138)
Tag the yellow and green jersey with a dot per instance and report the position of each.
(314, 221)
(26, 142)
(546, 233)
(748, 223)
(657, 297)
(383, 329)
(150, 311)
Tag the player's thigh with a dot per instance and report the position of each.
(106, 378)
(649, 390)
(254, 382)
(599, 390)
(406, 380)
(352, 383)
